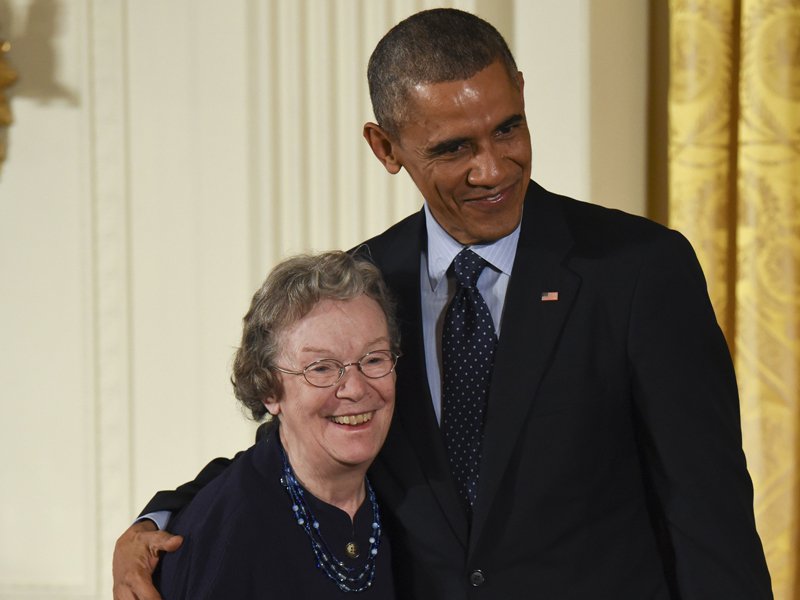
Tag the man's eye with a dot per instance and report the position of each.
(452, 148)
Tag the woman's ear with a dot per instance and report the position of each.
(382, 146)
(273, 406)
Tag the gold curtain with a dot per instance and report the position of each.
(734, 191)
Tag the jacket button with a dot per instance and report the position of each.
(476, 578)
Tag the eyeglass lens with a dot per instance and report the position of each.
(328, 371)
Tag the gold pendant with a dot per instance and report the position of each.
(351, 549)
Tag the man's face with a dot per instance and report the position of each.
(467, 147)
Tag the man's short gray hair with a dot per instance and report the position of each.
(432, 46)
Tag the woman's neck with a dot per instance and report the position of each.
(341, 486)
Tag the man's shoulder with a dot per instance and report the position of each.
(596, 227)
(412, 225)
(594, 215)
(403, 239)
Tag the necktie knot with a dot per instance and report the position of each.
(467, 267)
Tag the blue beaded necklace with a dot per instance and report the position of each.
(346, 578)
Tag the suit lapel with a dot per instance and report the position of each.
(397, 253)
(530, 329)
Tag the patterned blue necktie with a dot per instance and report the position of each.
(468, 345)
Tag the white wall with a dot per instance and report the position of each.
(585, 67)
(164, 154)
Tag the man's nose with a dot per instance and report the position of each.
(487, 168)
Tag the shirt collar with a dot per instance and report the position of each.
(442, 249)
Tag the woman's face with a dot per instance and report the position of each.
(313, 430)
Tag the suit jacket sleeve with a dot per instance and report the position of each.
(175, 500)
(687, 404)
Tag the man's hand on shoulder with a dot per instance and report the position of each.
(136, 555)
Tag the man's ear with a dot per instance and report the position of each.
(382, 147)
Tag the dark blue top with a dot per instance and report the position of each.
(241, 540)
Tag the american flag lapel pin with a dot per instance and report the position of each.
(549, 296)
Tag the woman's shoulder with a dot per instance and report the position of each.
(242, 485)
(224, 525)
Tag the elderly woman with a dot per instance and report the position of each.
(295, 515)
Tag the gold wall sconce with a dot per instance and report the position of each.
(7, 77)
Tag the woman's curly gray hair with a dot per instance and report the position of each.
(289, 293)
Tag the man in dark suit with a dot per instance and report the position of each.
(608, 460)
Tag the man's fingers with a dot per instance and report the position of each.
(164, 542)
(136, 588)
(123, 593)
(135, 557)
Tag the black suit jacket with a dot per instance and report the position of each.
(612, 463)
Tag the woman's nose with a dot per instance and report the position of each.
(353, 383)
